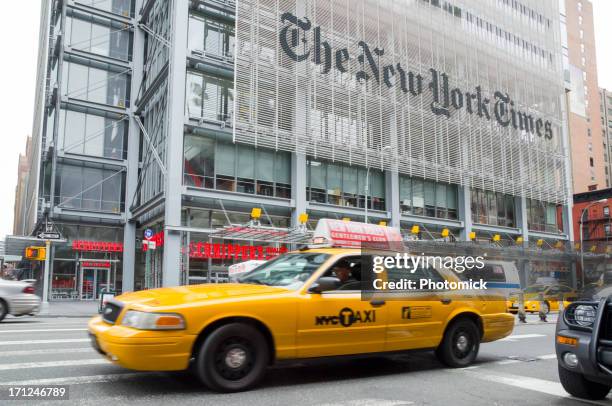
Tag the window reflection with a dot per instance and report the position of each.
(236, 168)
(344, 185)
(209, 98)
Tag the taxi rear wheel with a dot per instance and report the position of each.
(232, 358)
(576, 385)
(460, 344)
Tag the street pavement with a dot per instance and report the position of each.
(521, 369)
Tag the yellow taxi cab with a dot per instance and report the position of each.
(302, 304)
(550, 294)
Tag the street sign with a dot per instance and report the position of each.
(148, 233)
(49, 236)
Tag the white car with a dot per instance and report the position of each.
(17, 298)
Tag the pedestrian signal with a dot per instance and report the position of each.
(36, 253)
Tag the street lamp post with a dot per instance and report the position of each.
(585, 210)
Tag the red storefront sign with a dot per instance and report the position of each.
(236, 251)
(97, 246)
(95, 264)
(157, 238)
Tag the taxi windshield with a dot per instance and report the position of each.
(289, 271)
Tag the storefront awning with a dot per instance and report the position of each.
(252, 232)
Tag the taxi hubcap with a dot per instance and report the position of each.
(235, 357)
(462, 343)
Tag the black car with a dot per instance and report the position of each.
(584, 346)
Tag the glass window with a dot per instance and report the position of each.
(95, 85)
(225, 159)
(196, 32)
(70, 187)
(92, 135)
(265, 165)
(430, 199)
(199, 161)
(418, 197)
(90, 188)
(209, 98)
(236, 167)
(211, 36)
(122, 7)
(405, 185)
(344, 185)
(95, 145)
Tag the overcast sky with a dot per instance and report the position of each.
(19, 45)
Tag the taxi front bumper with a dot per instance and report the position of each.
(140, 349)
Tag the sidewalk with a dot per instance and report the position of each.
(71, 309)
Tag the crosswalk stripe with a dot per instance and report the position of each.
(523, 382)
(368, 402)
(43, 330)
(78, 380)
(47, 364)
(11, 353)
(521, 337)
(58, 341)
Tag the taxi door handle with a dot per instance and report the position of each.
(446, 301)
(377, 303)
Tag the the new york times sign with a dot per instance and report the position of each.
(303, 42)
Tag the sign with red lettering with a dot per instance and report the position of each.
(235, 251)
(97, 246)
(157, 241)
(95, 264)
(353, 234)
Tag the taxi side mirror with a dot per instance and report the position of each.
(324, 284)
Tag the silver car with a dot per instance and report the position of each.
(17, 298)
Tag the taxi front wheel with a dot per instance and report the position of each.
(232, 358)
(460, 344)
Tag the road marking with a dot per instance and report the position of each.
(48, 364)
(548, 356)
(67, 340)
(11, 353)
(368, 402)
(79, 380)
(524, 382)
(43, 330)
(522, 337)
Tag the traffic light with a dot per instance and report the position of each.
(36, 253)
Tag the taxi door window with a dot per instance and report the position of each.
(348, 270)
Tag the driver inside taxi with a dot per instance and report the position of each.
(343, 271)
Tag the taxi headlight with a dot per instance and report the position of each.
(153, 321)
(582, 315)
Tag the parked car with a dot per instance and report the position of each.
(17, 298)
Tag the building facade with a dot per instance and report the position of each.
(605, 98)
(23, 172)
(178, 117)
(593, 231)
(587, 144)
